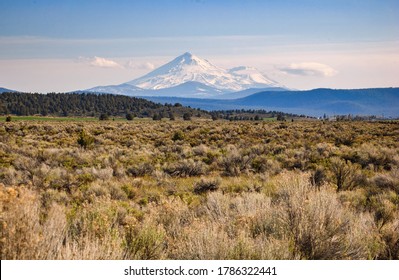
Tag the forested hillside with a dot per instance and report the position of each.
(68, 104)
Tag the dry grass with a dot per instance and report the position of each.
(199, 190)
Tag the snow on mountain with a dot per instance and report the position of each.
(123, 89)
(187, 68)
(190, 68)
(191, 89)
(187, 89)
(6, 90)
(197, 76)
(250, 77)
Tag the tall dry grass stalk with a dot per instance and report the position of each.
(26, 231)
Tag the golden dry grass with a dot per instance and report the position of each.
(199, 190)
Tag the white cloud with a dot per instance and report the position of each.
(103, 62)
(131, 64)
(309, 69)
(108, 63)
(97, 61)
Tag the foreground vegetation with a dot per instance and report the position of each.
(199, 190)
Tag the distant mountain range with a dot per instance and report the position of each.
(190, 76)
(317, 102)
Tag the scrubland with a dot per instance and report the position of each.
(199, 190)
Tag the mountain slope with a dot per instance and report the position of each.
(6, 90)
(378, 101)
(192, 89)
(248, 92)
(122, 89)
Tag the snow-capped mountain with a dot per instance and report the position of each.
(190, 76)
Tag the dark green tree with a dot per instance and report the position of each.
(280, 117)
(103, 117)
(187, 116)
(129, 116)
(157, 117)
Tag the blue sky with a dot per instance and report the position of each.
(65, 45)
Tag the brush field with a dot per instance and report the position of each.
(199, 189)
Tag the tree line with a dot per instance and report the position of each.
(88, 104)
(105, 106)
(253, 114)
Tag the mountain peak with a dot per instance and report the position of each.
(190, 59)
(187, 55)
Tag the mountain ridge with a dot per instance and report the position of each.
(315, 102)
(2, 89)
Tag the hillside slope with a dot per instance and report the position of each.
(377, 101)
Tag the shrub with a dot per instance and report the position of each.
(346, 139)
(157, 117)
(203, 241)
(320, 227)
(144, 243)
(318, 177)
(390, 236)
(129, 117)
(8, 118)
(187, 116)
(178, 135)
(387, 181)
(259, 164)
(103, 117)
(141, 169)
(186, 168)
(204, 185)
(383, 208)
(377, 156)
(26, 232)
(85, 140)
(234, 163)
(280, 117)
(345, 174)
(130, 191)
